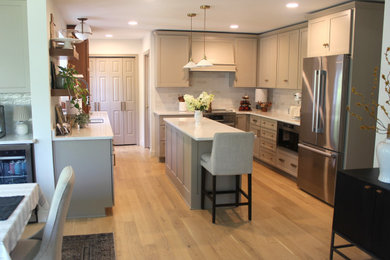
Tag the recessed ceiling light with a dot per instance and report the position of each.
(234, 26)
(108, 35)
(292, 5)
(132, 22)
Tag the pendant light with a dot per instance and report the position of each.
(191, 63)
(204, 62)
(83, 30)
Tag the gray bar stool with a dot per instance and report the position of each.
(231, 154)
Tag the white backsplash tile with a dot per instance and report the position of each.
(282, 99)
(218, 83)
(9, 101)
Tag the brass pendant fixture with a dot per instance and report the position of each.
(204, 62)
(191, 63)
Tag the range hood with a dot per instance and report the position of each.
(219, 52)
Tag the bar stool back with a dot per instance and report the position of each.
(231, 154)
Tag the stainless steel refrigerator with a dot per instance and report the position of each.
(322, 130)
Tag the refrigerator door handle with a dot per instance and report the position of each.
(331, 155)
(320, 100)
(314, 114)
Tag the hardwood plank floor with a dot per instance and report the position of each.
(151, 221)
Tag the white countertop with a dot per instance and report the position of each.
(18, 139)
(204, 131)
(92, 131)
(271, 115)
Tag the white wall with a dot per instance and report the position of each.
(385, 68)
(40, 94)
(125, 47)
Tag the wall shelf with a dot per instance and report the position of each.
(60, 92)
(58, 52)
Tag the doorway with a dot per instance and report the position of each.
(114, 89)
(146, 99)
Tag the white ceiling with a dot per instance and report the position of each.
(253, 16)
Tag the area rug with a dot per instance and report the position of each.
(89, 247)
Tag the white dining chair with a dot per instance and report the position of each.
(231, 154)
(47, 243)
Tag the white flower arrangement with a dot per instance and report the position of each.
(201, 103)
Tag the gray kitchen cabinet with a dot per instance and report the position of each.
(161, 136)
(254, 127)
(246, 62)
(287, 161)
(172, 54)
(330, 34)
(302, 54)
(287, 60)
(14, 61)
(92, 161)
(242, 122)
(267, 61)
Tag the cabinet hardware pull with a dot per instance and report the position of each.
(285, 80)
(367, 187)
(99, 106)
(379, 191)
(293, 165)
(266, 80)
(280, 159)
(325, 44)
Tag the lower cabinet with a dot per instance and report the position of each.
(92, 161)
(242, 122)
(362, 212)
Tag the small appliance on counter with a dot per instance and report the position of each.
(2, 121)
(245, 105)
(295, 111)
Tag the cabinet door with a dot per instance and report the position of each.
(129, 101)
(340, 33)
(256, 144)
(302, 54)
(246, 61)
(381, 230)
(318, 37)
(267, 62)
(14, 61)
(287, 62)
(241, 122)
(172, 55)
(353, 209)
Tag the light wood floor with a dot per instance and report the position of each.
(151, 221)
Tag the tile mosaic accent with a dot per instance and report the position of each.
(9, 101)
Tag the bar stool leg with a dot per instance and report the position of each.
(202, 187)
(214, 196)
(237, 189)
(250, 196)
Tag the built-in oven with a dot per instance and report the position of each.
(288, 136)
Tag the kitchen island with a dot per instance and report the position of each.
(89, 151)
(185, 143)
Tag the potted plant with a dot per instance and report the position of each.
(77, 94)
(198, 105)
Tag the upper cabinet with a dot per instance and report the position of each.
(172, 55)
(267, 61)
(330, 35)
(287, 61)
(302, 54)
(246, 62)
(14, 61)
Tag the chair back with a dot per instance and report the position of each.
(232, 153)
(51, 246)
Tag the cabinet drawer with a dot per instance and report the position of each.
(268, 157)
(268, 123)
(268, 134)
(255, 120)
(287, 164)
(268, 144)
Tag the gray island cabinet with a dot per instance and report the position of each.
(89, 152)
(185, 143)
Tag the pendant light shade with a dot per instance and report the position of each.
(204, 62)
(83, 30)
(191, 63)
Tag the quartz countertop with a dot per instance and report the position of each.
(92, 131)
(204, 131)
(271, 115)
(18, 139)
